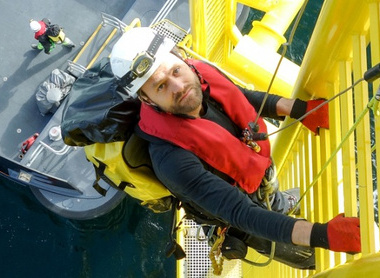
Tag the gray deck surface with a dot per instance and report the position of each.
(23, 69)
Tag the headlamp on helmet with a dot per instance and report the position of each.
(137, 55)
(141, 64)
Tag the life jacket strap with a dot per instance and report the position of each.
(99, 171)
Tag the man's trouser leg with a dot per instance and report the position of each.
(282, 202)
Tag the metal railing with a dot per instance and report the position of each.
(113, 21)
(337, 170)
(43, 146)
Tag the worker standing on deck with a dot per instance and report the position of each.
(48, 35)
(196, 121)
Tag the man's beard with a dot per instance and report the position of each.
(190, 103)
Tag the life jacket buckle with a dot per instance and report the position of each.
(248, 140)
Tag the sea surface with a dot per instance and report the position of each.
(130, 241)
(34, 242)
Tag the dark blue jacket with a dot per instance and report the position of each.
(195, 183)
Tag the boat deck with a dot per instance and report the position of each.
(59, 172)
(23, 69)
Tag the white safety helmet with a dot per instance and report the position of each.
(35, 26)
(138, 53)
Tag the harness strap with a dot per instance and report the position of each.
(99, 171)
(173, 247)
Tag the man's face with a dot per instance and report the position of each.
(175, 88)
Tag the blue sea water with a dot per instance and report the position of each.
(128, 242)
(34, 242)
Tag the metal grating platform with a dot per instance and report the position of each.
(197, 263)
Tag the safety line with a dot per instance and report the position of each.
(284, 50)
(317, 107)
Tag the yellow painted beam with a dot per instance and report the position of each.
(363, 148)
(367, 266)
(374, 8)
(329, 44)
(269, 31)
(348, 148)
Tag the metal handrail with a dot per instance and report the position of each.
(41, 146)
(113, 21)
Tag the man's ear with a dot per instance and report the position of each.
(148, 101)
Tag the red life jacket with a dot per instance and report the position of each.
(208, 140)
(41, 31)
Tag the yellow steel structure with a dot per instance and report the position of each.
(334, 170)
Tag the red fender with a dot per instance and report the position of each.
(28, 143)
